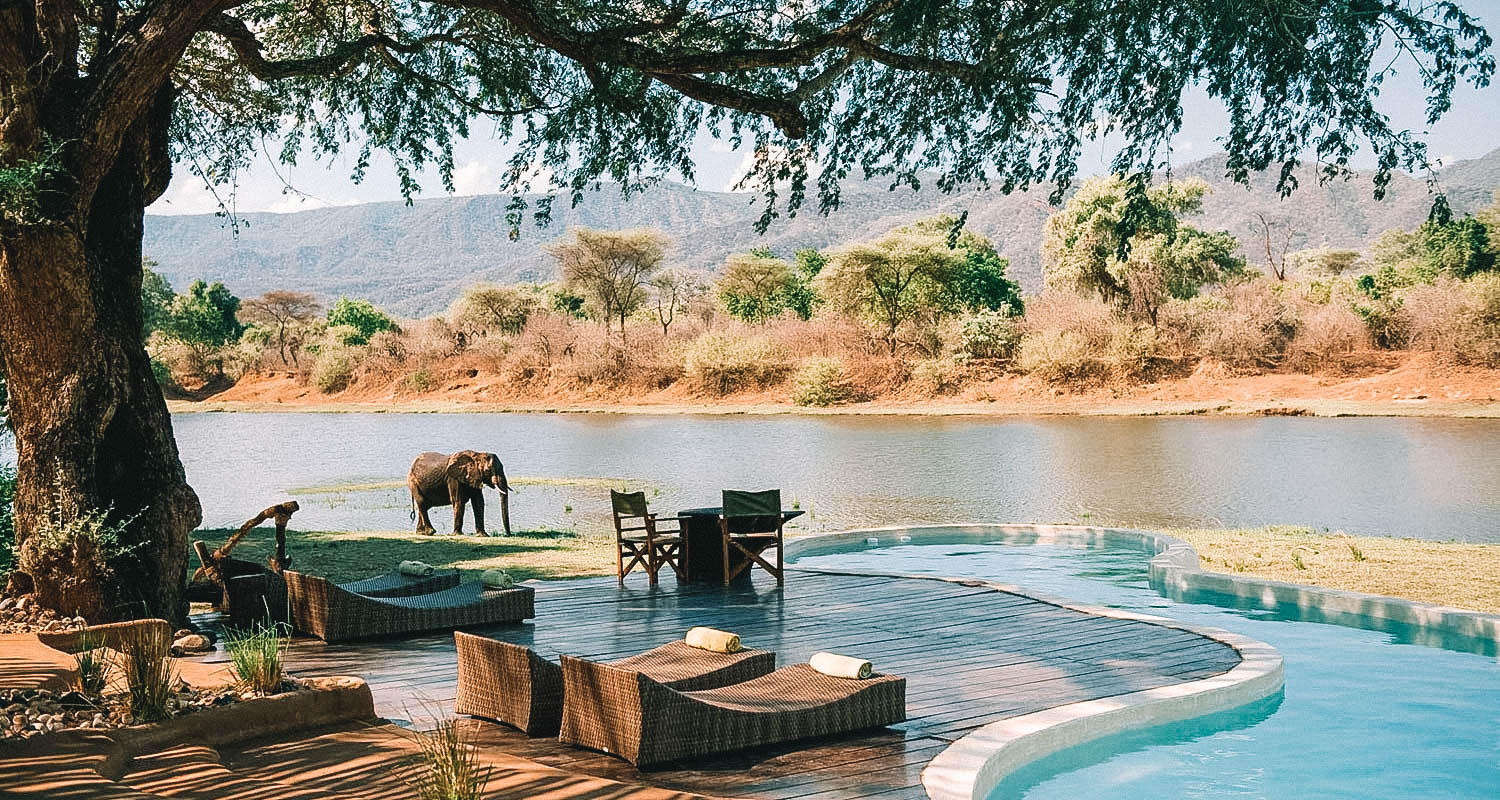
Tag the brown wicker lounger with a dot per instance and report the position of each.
(334, 614)
(510, 683)
(627, 714)
(399, 584)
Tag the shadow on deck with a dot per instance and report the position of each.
(971, 655)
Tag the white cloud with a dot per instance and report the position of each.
(474, 177)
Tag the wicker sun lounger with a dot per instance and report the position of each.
(510, 683)
(334, 614)
(399, 584)
(627, 714)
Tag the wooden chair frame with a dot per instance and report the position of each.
(753, 505)
(657, 549)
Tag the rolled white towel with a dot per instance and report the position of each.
(841, 666)
(710, 639)
(416, 569)
(497, 579)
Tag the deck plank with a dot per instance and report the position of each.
(971, 655)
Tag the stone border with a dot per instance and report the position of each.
(970, 768)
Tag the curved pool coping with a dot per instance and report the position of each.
(971, 767)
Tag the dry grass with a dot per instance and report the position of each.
(1449, 573)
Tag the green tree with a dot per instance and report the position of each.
(288, 315)
(362, 316)
(98, 98)
(912, 272)
(610, 268)
(754, 285)
(1459, 247)
(156, 297)
(981, 285)
(486, 309)
(1121, 240)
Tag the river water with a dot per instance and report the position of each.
(1426, 478)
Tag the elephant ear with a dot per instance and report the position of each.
(465, 468)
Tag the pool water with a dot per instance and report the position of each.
(1365, 714)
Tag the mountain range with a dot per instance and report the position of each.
(414, 260)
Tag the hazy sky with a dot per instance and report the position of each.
(1469, 130)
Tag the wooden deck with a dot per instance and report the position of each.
(972, 655)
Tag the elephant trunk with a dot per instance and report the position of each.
(505, 509)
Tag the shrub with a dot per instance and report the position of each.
(1249, 325)
(1457, 320)
(364, 318)
(1326, 336)
(255, 655)
(1071, 339)
(333, 371)
(92, 665)
(420, 381)
(447, 766)
(821, 382)
(936, 376)
(988, 334)
(150, 678)
(722, 364)
(74, 554)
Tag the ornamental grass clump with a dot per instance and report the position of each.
(150, 677)
(447, 768)
(255, 655)
(92, 664)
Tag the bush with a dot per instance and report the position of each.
(821, 382)
(333, 371)
(149, 675)
(986, 334)
(1248, 326)
(75, 555)
(1326, 336)
(1071, 339)
(722, 364)
(1457, 320)
(936, 376)
(447, 765)
(420, 381)
(91, 663)
(255, 655)
(364, 318)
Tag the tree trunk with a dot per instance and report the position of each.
(92, 431)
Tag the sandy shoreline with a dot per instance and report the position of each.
(1312, 407)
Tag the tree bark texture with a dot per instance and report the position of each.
(92, 429)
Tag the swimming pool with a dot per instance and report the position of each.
(1364, 713)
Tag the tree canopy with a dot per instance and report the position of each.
(981, 92)
(610, 268)
(1135, 256)
(362, 317)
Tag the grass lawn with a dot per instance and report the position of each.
(346, 556)
(1450, 573)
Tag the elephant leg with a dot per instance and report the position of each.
(458, 497)
(477, 499)
(424, 525)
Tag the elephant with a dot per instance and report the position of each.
(438, 479)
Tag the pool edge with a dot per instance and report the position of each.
(971, 767)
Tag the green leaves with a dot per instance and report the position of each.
(980, 93)
(362, 318)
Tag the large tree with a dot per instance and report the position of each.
(98, 98)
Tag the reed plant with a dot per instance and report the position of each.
(150, 676)
(92, 665)
(447, 766)
(256, 656)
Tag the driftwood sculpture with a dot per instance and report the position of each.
(213, 564)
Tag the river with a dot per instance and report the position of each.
(1419, 477)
